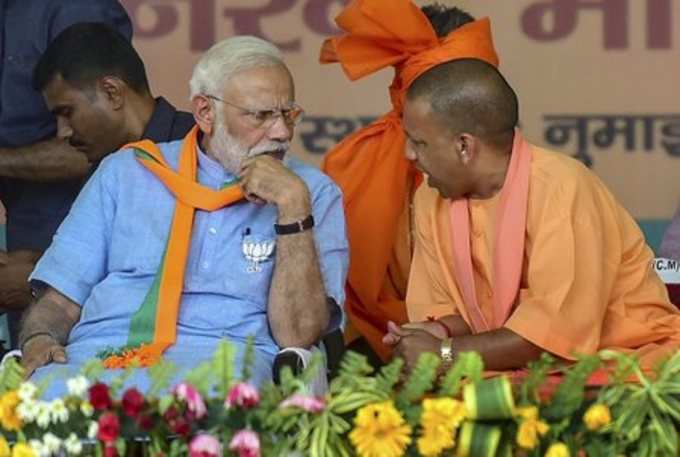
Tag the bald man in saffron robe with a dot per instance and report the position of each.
(519, 250)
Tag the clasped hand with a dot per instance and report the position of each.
(412, 339)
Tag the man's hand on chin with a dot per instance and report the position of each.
(40, 350)
(414, 342)
(265, 179)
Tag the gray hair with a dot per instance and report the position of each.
(229, 57)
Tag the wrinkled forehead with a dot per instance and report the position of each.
(270, 85)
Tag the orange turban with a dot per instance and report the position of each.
(369, 165)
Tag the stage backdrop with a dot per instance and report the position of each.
(596, 79)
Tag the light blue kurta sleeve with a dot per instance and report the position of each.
(76, 260)
(330, 235)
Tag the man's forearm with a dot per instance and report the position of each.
(298, 311)
(51, 313)
(51, 160)
(456, 324)
(501, 349)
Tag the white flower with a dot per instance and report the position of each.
(86, 408)
(52, 443)
(27, 411)
(27, 391)
(93, 430)
(58, 412)
(77, 386)
(42, 414)
(73, 445)
(39, 448)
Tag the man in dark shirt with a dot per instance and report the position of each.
(95, 84)
(40, 175)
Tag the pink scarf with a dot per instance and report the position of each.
(508, 254)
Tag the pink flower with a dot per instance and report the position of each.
(304, 402)
(244, 395)
(205, 446)
(195, 403)
(246, 443)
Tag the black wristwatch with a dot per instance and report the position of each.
(295, 227)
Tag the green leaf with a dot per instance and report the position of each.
(164, 403)
(354, 368)
(315, 365)
(121, 446)
(389, 375)
(468, 365)
(11, 375)
(117, 383)
(570, 393)
(92, 370)
(161, 375)
(538, 371)
(420, 381)
(223, 366)
(248, 359)
(201, 378)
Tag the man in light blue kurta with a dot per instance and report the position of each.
(107, 252)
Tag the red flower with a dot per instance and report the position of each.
(133, 402)
(180, 426)
(145, 422)
(110, 451)
(109, 428)
(99, 396)
(171, 414)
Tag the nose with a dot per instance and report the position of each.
(280, 130)
(64, 130)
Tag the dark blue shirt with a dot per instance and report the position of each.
(35, 210)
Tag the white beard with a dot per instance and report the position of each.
(230, 153)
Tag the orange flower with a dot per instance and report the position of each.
(142, 356)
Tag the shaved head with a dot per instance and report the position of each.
(472, 97)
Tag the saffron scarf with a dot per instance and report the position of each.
(153, 327)
(508, 253)
(369, 165)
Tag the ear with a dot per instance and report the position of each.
(113, 89)
(203, 110)
(466, 146)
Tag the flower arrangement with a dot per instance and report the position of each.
(214, 412)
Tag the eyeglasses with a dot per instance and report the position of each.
(265, 118)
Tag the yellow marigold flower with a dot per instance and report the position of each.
(530, 427)
(380, 431)
(22, 450)
(4, 447)
(558, 449)
(597, 416)
(434, 442)
(8, 411)
(440, 418)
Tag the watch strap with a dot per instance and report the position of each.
(295, 227)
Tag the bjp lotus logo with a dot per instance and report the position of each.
(256, 252)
